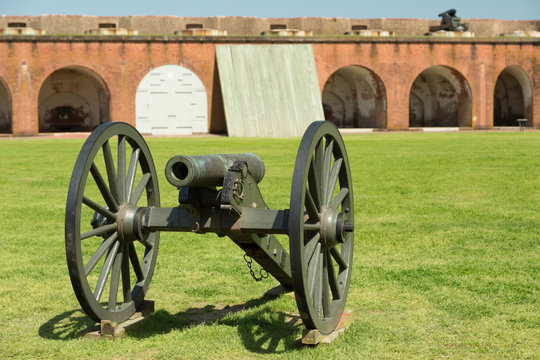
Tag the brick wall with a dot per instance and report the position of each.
(121, 63)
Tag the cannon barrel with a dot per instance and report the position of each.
(450, 12)
(209, 170)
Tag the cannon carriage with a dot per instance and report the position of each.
(114, 218)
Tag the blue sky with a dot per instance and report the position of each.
(426, 9)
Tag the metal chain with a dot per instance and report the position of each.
(249, 260)
(238, 184)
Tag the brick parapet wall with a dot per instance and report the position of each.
(167, 25)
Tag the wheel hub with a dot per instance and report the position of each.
(130, 223)
(334, 228)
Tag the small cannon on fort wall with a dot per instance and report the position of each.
(113, 220)
(450, 22)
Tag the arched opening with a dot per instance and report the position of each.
(512, 98)
(355, 97)
(440, 97)
(5, 109)
(171, 100)
(73, 99)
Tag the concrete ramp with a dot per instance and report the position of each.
(269, 90)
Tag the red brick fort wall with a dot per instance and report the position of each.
(122, 62)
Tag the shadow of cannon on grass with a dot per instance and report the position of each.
(261, 328)
(65, 326)
(267, 331)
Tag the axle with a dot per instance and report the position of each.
(185, 218)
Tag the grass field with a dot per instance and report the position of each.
(447, 257)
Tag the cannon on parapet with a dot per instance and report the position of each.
(113, 220)
(450, 22)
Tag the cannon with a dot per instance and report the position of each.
(113, 220)
(450, 22)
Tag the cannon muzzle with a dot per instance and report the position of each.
(209, 170)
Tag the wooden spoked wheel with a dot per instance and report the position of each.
(321, 227)
(110, 262)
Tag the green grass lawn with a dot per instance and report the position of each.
(447, 257)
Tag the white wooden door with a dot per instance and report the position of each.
(171, 100)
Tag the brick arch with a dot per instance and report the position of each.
(73, 98)
(5, 108)
(354, 96)
(440, 96)
(512, 97)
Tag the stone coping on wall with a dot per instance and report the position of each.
(231, 39)
(253, 26)
(343, 131)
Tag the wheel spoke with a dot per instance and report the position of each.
(121, 177)
(105, 270)
(313, 181)
(115, 280)
(333, 180)
(105, 245)
(140, 188)
(126, 286)
(313, 269)
(98, 208)
(311, 208)
(105, 192)
(146, 243)
(310, 247)
(319, 155)
(130, 181)
(326, 169)
(332, 280)
(109, 165)
(135, 262)
(312, 227)
(339, 198)
(339, 259)
(318, 292)
(324, 283)
(98, 231)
